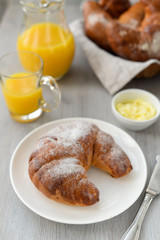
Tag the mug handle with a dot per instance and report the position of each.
(51, 84)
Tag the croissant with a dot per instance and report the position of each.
(95, 24)
(115, 7)
(59, 163)
(133, 33)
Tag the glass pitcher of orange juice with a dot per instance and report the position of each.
(45, 32)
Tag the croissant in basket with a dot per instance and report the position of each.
(132, 32)
(59, 163)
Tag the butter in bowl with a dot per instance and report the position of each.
(136, 109)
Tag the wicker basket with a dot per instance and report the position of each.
(150, 71)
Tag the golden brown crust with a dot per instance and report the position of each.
(134, 16)
(95, 23)
(124, 41)
(114, 7)
(151, 5)
(58, 166)
(109, 157)
(72, 188)
(135, 35)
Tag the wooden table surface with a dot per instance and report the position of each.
(82, 96)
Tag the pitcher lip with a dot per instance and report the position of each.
(42, 5)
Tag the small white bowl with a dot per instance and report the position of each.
(132, 94)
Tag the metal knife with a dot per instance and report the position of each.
(153, 189)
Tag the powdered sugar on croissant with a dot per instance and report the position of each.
(58, 165)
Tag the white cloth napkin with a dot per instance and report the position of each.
(112, 71)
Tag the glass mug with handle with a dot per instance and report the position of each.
(23, 85)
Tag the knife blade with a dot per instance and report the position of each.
(154, 183)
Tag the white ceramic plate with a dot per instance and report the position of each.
(116, 195)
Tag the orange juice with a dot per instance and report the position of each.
(53, 43)
(21, 93)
